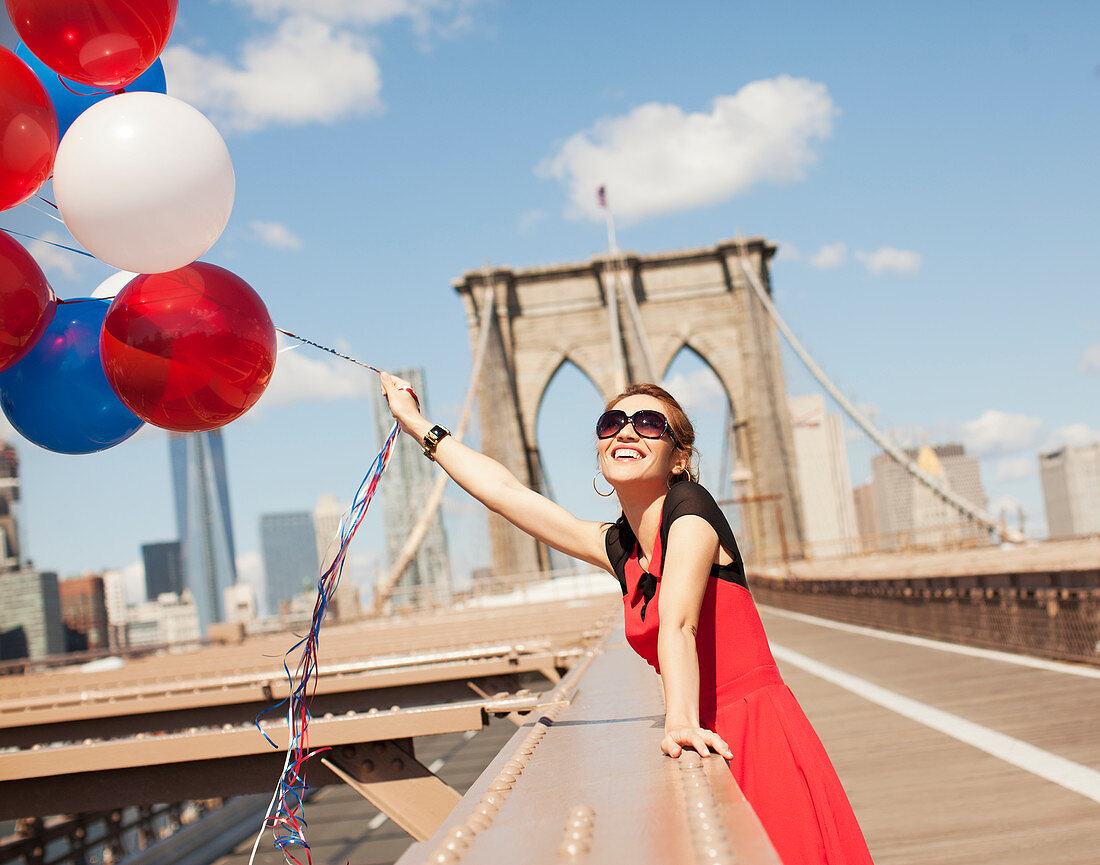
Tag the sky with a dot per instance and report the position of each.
(928, 172)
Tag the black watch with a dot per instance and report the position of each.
(432, 438)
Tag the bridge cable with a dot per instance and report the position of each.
(419, 530)
(614, 266)
(970, 511)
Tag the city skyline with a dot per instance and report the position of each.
(918, 237)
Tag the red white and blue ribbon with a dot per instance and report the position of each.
(285, 814)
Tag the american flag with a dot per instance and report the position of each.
(601, 196)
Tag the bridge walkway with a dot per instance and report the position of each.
(922, 794)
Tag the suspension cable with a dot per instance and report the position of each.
(419, 530)
(970, 511)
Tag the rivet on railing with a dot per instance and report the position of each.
(705, 826)
(578, 833)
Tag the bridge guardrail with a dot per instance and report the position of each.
(1051, 614)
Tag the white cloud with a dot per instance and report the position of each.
(787, 252)
(1015, 468)
(659, 159)
(305, 72)
(830, 256)
(250, 568)
(698, 391)
(887, 259)
(998, 432)
(441, 16)
(1076, 435)
(530, 219)
(1090, 360)
(53, 261)
(276, 235)
(1008, 507)
(301, 377)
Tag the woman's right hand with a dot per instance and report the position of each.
(402, 401)
(678, 738)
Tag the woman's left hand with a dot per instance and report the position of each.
(678, 738)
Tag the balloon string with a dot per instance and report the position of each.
(34, 206)
(50, 242)
(326, 348)
(285, 814)
(95, 92)
(50, 203)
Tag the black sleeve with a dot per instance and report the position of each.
(619, 542)
(688, 497)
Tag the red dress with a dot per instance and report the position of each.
(779, 762)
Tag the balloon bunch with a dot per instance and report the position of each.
(145, 183)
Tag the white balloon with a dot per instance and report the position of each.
(113, 284)
(144, 181)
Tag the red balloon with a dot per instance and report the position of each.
(28, 131)
(188, 350)
(27, 302)
(104, 43)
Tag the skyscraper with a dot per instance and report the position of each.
(404, 489)
(828, 510)
(30, 616)
(910, 514)
(163, 569)
(9, 495)
(289, 544)
(326, 523)
(203, 521)
(1071, 490)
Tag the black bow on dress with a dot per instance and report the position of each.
(647, 588)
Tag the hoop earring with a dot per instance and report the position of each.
(604, 495)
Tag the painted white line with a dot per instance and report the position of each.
(972, 651)
(1065, 773)
(378, 819)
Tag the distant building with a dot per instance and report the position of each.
(169, 620)
(828, 512)
(1071, 490)
(427, 579)
(911, 515)
(289, 546)
(203, 520)
(867, 516)
(163, 569)
(240, 603)
(84, 612)
(326, 523)
(30, 616)
(9, 495)
(114, 596)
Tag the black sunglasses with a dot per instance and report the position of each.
(649, 424)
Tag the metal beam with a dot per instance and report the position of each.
(388, 776)
(139, 750)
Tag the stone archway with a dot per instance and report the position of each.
(697, 298)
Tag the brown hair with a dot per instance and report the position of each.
(677, 420)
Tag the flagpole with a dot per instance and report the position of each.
(611, 286)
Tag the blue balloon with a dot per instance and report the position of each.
(58, 396)
(70, 98)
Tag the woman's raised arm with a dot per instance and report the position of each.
(498, 489)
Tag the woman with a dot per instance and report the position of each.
(688, 610)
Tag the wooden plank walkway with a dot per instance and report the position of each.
(925, 797)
